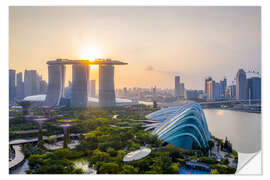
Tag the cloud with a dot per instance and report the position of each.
(149, 68)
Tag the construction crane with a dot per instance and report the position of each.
(254, 73)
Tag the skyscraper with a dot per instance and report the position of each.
(193, 94)
(55, 90)
(182, 90)
(31, 83)
(80, 79)
(19, 86)
(253, 88)
(241, 85)
(218, 91)
(43, 87)
(177, 86)
(211, 90)
(206, 85)
(223, 85)
(154, 93)
(232, 91)
(12, 87)
(125, 92)
(106, 86)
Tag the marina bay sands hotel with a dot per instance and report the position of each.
(80, 78)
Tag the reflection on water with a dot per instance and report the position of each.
(242, 129)
(220, 112)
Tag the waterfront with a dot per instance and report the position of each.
(242, 129)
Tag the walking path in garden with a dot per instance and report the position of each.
(19, 157)
(29, 131)
(30, 140)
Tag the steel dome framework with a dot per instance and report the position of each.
(184, 126)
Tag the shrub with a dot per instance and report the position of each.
(207, 160)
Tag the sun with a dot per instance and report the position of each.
(91, 53)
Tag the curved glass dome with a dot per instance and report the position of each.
(184, 126)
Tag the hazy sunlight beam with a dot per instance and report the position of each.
(91, 53)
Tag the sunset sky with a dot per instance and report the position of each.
(156, 42)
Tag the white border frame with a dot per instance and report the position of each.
(4, 63)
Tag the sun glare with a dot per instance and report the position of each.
(91, 54)
(220, 112)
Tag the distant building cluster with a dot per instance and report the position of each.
(247, 88)
(81, 88)
(194, 94)
(181, 93)
(215, 90)
(146, 94)
(20, 87)
(243, 89)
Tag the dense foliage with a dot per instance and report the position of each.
(57, 162)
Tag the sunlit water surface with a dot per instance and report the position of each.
(242, 129)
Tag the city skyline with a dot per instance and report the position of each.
(214, 41)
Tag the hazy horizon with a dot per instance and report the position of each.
(156, 42)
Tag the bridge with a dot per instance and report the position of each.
(233, 101)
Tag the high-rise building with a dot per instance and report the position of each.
(12, 86)
(125, 92)
(20, 86)
(92, 88)
(39, 79)
(106, 86)
(206, 85)
(182, 90)
(55, 90)
(31, 83)
(179, 88)
(43, 86)
(211, 90)
(193, 94)
(154, 92)
(80, 82)
(253, 88)
(218, 91)
(80, 79)
(231, 91)
(241, 85)
(223, 84)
